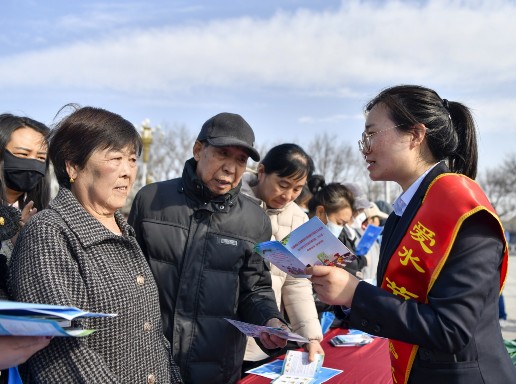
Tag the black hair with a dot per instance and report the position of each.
(85, 130)
(451, 130)
(288, 160)
(304, 196)
(333, 196)
(40, 194)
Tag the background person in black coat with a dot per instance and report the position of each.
(14, 350)
(24, 179)
(24, 189)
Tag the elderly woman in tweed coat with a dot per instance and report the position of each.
(81, 252)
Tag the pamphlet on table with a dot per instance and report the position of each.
(29, 319)
(296, 368)
(309, 244)
(351, 340)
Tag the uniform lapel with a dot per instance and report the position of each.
(396, 227)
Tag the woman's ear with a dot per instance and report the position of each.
(71, 170)
(260, 171)
(320, 213)
(418, 133)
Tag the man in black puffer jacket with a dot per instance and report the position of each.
(198, 234)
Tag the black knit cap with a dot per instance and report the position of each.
(227, 130)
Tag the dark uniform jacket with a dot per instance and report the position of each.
(458, 330)
(200, 249)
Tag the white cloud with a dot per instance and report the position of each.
(447, 45)
(361, 43)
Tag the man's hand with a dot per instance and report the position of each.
(273, 341)
(333, 285)
(15, 350)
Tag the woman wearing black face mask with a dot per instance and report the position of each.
(24, 185)
(23, 162)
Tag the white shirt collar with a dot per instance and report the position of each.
(401, 203)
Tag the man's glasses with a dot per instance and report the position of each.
(364, 145)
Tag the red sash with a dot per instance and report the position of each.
(418, 260)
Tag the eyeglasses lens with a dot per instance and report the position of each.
(364, 144)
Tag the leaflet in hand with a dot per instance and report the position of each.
(310, 244)
(297, 369)
(28, 319)
(254, 330)
(274, 369)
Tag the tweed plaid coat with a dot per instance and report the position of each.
(65, 256)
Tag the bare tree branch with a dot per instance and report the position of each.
(499, 185)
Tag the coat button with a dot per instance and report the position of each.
(377, 329)
(147, 327)
(151, 379)
(140, 280)
(364, 323)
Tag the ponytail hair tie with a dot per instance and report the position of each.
(446, 105)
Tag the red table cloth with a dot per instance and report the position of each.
(368, 364)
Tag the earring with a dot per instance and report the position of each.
(72, 180)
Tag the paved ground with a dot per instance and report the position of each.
(509, 294)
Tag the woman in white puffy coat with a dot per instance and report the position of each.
(279, 179)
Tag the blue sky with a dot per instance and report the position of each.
(293, 69)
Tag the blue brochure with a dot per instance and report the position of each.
(368, 238)
(30, 319)
(310, 244)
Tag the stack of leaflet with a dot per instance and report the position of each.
(296, 368)
(27, 319)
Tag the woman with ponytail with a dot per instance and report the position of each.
(443, 258)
